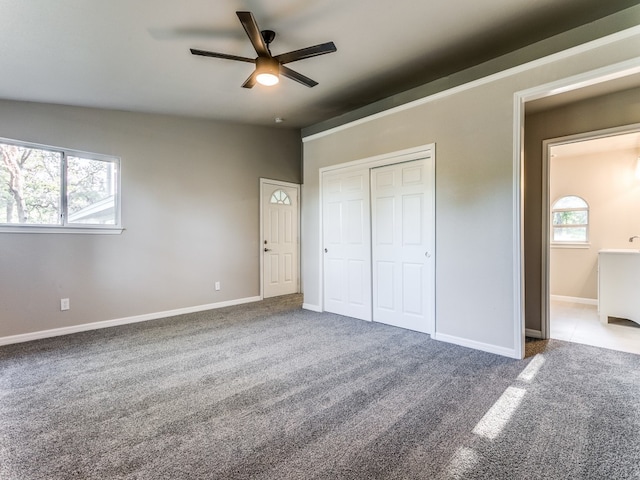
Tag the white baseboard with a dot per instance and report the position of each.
(312, 307)
(485, 347)
(533, 333)
(56, 332)
(584, 301)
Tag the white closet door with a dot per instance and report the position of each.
(402, 224)
(347, 243)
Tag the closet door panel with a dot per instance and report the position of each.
(401, 220)
(346, 226)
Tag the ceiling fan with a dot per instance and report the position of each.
(269, 67)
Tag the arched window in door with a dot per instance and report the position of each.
(280, 197)
(570, 220)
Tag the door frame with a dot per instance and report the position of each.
(278, 183)
(520, 98)
(416, 153)
(547, 145)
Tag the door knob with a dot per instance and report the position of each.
(427, 254)
(326, 250)
(267, 249)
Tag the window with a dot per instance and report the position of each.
(50, 187)
(570, 220)
(280, 197)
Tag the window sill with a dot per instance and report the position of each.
(571, 245)
(57, 229)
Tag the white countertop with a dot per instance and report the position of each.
(620, 250)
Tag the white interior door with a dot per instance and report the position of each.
(402, 245)
(347, 243)
(280, 239)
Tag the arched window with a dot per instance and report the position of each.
(570, 220)
(280, 197)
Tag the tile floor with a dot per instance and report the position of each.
(579, 323)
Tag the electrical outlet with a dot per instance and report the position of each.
(217, 286)
(64, 304)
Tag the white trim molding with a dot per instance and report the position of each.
(485, 347)
(529, 332)
(389, 158)
(518, 229)
(580, 300)
(96, 230)
(311, 307)
(56, 332)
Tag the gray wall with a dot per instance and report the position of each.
(473, 130)
(617, 109)
(190, 207)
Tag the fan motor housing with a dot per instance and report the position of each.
(268, 65)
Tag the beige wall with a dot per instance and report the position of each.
(607, 182)
(622, 108)
(190, 208)
(473, 130)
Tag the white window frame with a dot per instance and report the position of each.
(573, 243)
(65, 226)
(280, 200)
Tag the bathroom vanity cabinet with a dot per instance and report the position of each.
(619, 284)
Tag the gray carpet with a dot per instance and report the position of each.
(268, 390)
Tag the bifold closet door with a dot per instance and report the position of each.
(346, 230)
(402, 223)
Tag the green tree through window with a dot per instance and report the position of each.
(41, 186)
(570, 220)
(31, 180)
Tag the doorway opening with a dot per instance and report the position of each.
(592, 213)
(592, 101)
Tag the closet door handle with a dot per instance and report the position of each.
(326, 250)
(267, 249)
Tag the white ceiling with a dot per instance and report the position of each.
(134, 54)
(612, 143)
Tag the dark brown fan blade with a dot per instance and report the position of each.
(298, 77)
(253, 32)
(308, 52)
(251, 81)
(204, 53)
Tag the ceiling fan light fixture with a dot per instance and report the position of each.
(268, 68)
(267, 71)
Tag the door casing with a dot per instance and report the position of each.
(545, 323)
(567, 84)
(401, 156)
(264, 184)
